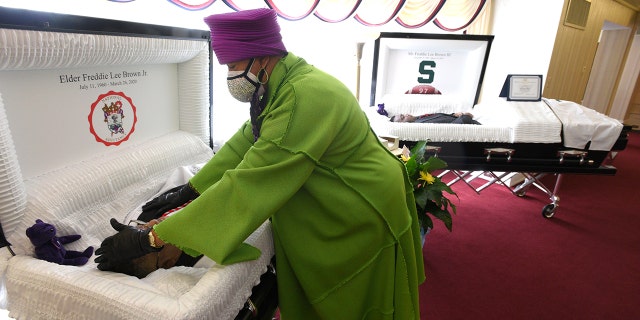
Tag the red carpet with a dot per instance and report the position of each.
(503, 260)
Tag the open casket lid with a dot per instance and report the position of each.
(452, 63)
(44, 58)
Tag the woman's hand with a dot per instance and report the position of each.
(129, 243)
(171, 199)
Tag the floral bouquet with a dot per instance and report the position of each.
(428, 189)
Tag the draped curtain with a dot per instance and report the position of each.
(470, 16)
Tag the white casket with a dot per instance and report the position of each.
(96, 116)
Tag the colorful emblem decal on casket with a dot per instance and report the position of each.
(112, 118)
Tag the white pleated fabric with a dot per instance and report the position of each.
(13, 197)
(530, 121)
(28, 50)
(42, 290)
(194, 101)
(81, 198)
(419, 104)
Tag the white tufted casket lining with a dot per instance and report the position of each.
(80, 196)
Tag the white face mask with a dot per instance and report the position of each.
(242, 84)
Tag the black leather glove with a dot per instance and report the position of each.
(129, 243)
(171, 199)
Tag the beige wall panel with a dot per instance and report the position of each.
(575, 49)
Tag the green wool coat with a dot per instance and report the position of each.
(345, 229)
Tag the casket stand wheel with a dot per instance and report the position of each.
(549, 210)
(533, 179)
(521, 192)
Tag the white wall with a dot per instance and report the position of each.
(525, 33)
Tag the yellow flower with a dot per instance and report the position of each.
(427, 177)
(428, 189)
(406, 154)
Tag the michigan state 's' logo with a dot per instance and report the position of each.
(112, 118)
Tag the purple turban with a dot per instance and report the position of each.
(245, 34)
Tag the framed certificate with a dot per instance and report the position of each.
(522, 87)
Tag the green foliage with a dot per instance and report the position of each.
(428, 189)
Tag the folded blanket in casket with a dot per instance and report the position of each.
(80, 199)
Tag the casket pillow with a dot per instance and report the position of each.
(423, 89)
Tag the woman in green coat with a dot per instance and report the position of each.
(346, 233)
